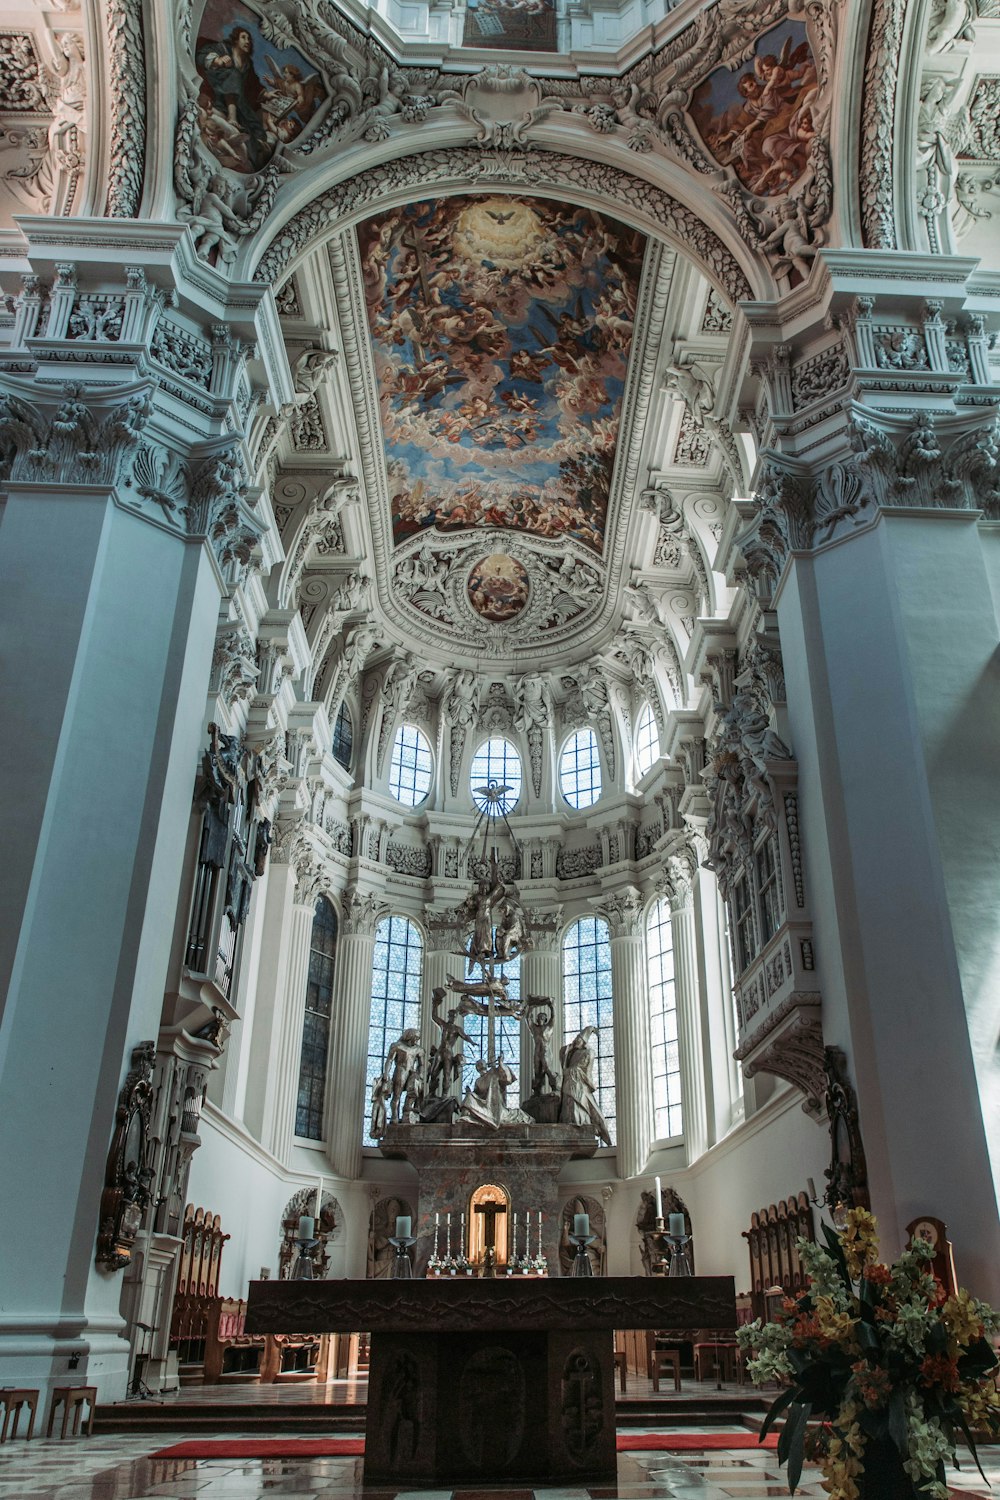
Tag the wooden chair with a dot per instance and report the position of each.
(72, 1399)
(659, 1359)
(621, 1360)
(711, 1354)
(13, 1399)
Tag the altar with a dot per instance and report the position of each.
(482, 1380)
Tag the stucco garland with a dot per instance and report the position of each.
(530, 169)
(127, 100)
(876, 178)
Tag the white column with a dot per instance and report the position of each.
(723, 1079)
(689, 1028)
(349, 1049)
(890, 643)
(109, 625)
(633, 1065)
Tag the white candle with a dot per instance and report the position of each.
(306, 1227)
(319, 1199)
(677, 1224)
(403, 1227)
(437, 1220)
(659, 1199)
(581, 1224)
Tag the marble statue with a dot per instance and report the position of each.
(447, 1058)
(540, 1021)
(404, 1075)
(578, 1104)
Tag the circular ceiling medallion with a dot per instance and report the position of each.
(498, 587)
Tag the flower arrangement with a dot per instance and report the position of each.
(890, 1363)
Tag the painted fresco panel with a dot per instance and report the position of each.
(515, 25)
(759, 119)
(501, 329)
(498, 587)
(254, 96)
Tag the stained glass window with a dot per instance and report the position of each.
(587, 1002)
(343, 737)
(580, 769)
(398, 960)
(316, 1027)
(667, 1117)
(508, 1034)
(496, 760)
(647, 741)
(410, 769)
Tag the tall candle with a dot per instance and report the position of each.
(581, 1224)
(461, 1242)
(676, 1224)
(306, 1227)
(447, 1234)
(437, 1220)
(539, 1231)
(319, 1200)
(513, 1243)
(403, 1222)
(659, 1199)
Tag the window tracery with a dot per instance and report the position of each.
(588, 1001)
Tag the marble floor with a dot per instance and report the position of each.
(107, 1467)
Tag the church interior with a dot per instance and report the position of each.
(500, 541)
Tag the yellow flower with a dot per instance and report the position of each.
(836, 1326)
(859, 1237)
(962, 1318)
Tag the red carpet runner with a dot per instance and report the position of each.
(628, 1442)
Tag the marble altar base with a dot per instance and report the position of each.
(485, 1381)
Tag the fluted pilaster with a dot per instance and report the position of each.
(347, 1103)
(633, 1066)
(289, 1020)
(694, 1103)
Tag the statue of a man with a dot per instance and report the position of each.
(447, 1058)
(540, 1020)
(403, 1072)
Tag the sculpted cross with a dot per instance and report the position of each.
(489, 1212)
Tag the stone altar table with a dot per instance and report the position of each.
(486, 1380)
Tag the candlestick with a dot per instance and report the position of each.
(659, 1199)
(513, 1239)
(461, 1246)
(447, 1236)
(539, 1231)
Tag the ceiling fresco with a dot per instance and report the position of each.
(759, 119)
(501, 330)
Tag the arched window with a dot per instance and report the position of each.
(587, 1002)
(647, 740)
(667, 1114)
(496, 760)
(316, 1028)
(410, 769)
(343, 737)
(580, 769)
(399, 954)
(508, 1034)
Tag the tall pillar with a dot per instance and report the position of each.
(865, 537)
(352, 1007)
(633, 1064)
(126, 521)
(694, 1103)
(723, 1078)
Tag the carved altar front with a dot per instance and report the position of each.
(484, 1380)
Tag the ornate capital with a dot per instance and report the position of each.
(623, 912)
(362, 912)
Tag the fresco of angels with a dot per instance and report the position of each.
(498, 587)
(760, 120)
(501, 330)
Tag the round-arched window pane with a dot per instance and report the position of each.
(647, 741)
(495, 777)
(410, 768)
(580, 769)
